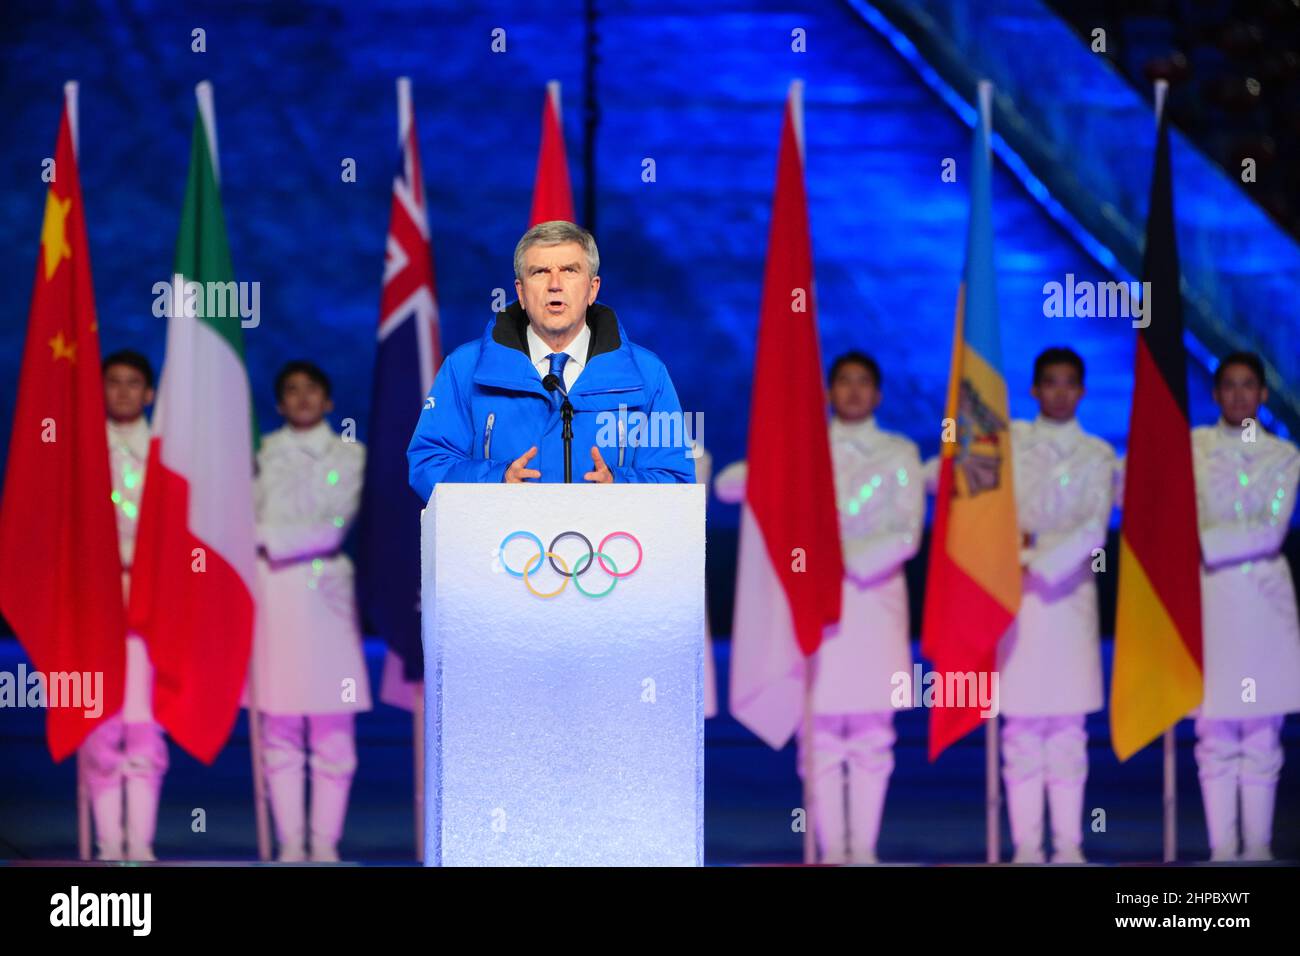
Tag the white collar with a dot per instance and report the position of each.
(862, 433)
(135, 435)
(315, 438)
(1229, 432)
(540, 352)
(131, 428)
(1059, 431)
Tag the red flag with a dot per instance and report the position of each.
(790, 572)
(552, 195)
(60, 570)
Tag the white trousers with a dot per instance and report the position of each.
(123, 765)
(326, 742)
(851, 758)
(1045, 755)
(1239, 758)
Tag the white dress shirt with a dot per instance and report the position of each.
(540, 353)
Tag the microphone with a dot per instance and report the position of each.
(552, 384)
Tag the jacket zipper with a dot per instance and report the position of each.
(487, 434)
(622, 440)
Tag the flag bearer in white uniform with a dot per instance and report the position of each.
(881, 501)
(308, 673)
(1245, 494)
(1049, 661)
(124, 758)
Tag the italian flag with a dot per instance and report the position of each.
(193, 577)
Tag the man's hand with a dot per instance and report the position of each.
(519, 470)
(600, 472)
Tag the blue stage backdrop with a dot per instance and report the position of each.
(696, 88)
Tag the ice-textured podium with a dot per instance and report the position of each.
(563, 730)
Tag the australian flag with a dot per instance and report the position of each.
(406, 359)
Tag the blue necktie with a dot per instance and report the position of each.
(557, 366)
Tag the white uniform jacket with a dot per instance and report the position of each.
(307, 649)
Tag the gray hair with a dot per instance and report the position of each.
(556, 233)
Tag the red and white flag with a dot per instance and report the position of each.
(791, 568)
(193, 584)
(552, 194)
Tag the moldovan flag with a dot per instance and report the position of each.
(790, 572)
(60, 570)
(973, 590)
(1157, 678)
(552, 194)
(192, 584)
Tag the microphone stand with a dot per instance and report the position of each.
(553, 384)
(566, 413)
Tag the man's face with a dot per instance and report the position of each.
(1058, 391)
(1239, 394)
(556, 289)
(125, 393)
(303, 402)
(854, 393)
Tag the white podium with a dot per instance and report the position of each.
(564, 714)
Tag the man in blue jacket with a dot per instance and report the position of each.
(491, 417)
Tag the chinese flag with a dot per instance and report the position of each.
(60, 571)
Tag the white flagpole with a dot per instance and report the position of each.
(83, 793)
(992, 782)
(83, 811)
(806, 742)
(992, 793)
(1170, 798)
(255, 754)
(405, 113)
(1169, 803)
(806, 765)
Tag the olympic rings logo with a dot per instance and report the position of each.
(596, 555)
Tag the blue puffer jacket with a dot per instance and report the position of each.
(488, 407)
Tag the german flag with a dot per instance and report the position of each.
(1158, 675)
